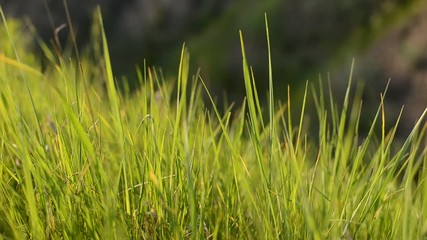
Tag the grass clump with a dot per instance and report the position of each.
(82, 161)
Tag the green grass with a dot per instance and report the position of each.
(81, 160)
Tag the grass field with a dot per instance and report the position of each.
(81, 160)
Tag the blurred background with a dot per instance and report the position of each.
(388, 39)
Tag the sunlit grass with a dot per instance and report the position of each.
(90, 162)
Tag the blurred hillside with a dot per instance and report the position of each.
(308, 37)
(398, 54)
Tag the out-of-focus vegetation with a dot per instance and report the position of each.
(309, 36)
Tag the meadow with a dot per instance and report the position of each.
(80, 159)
